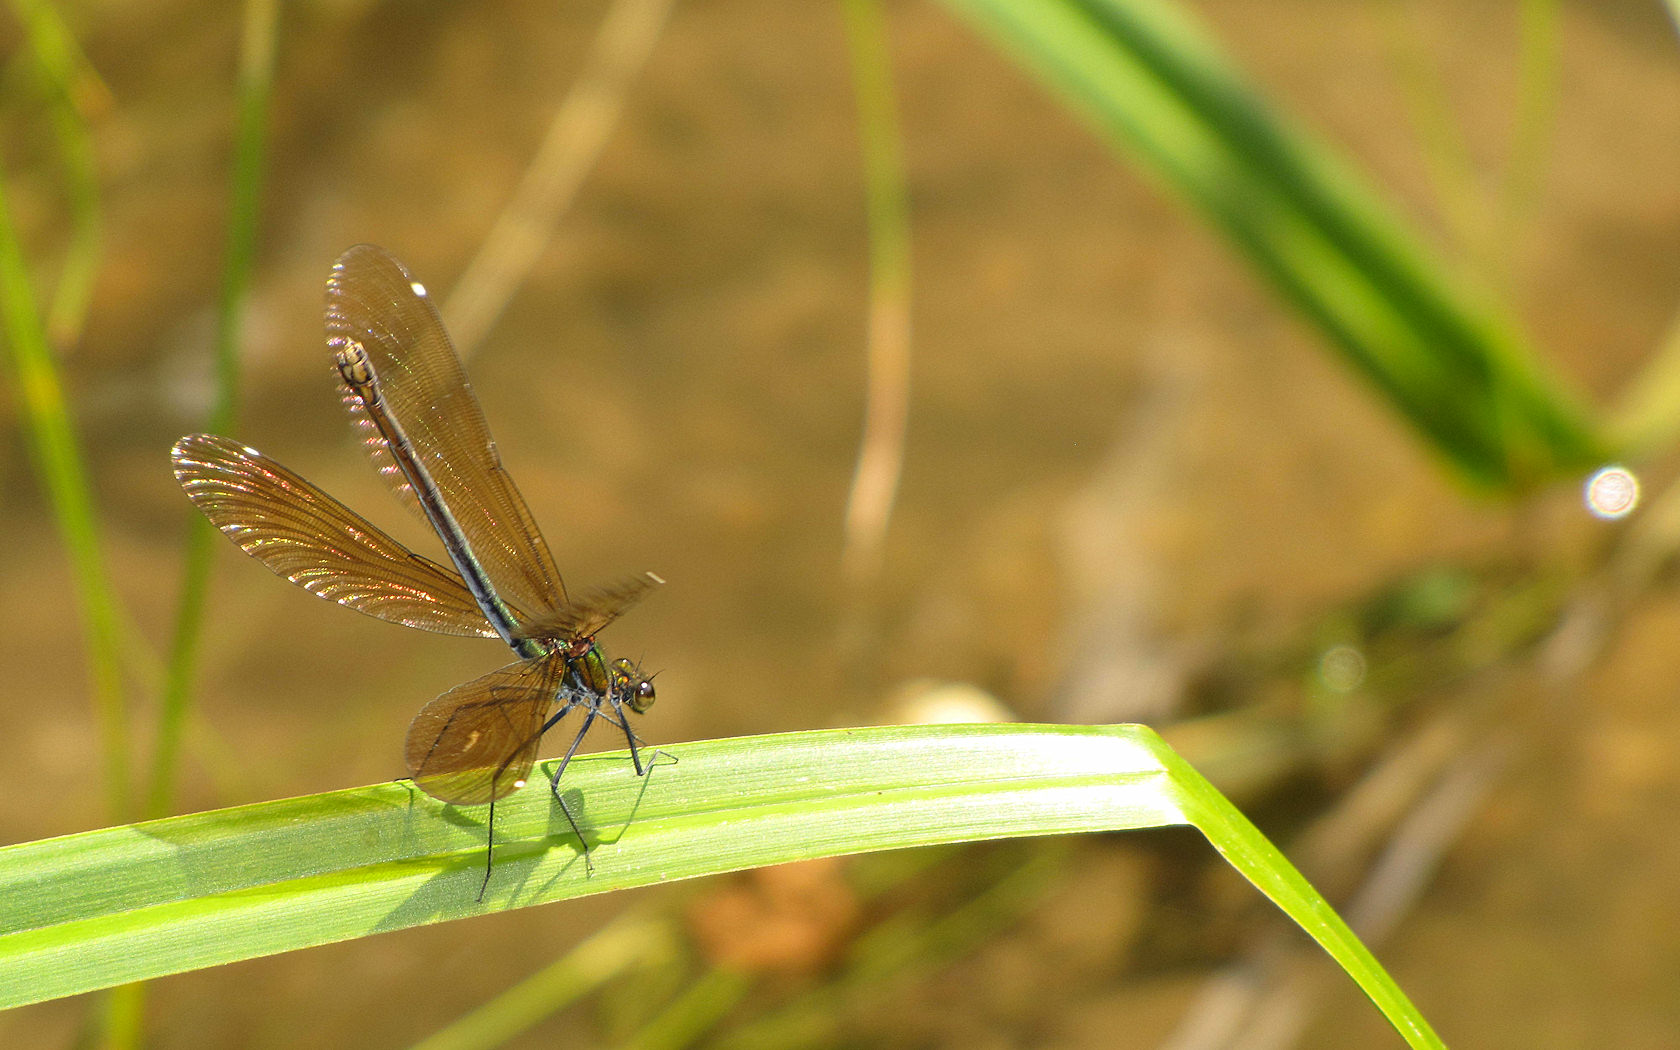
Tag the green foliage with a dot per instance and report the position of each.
(124, 904)
(1449, 363)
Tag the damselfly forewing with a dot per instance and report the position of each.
(406, 391)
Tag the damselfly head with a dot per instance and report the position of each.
(631, 686)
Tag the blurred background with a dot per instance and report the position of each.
(1139, 483)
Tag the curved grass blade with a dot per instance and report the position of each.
(59, 463)
(90, 910)
(259, 35)
(1154, 86)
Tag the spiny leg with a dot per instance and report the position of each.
(616, 718)
(629, 736)
(489, 849)
(490, 822)
(554, 780)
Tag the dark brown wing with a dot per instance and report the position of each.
(478, 741)
(318, 543)
(593, 610)
(373, 301)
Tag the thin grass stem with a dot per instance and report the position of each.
(256, 83)
(58, 462)
(568, 153)
(880, 460)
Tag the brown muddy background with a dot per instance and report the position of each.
(678, 388)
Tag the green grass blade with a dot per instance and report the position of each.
(1538, 86)
(58, 462)
(1647, 419)
(76, 95)
(123, 904)
(907, 947)
(880, 460)
(67, 315)
(1153, 85)
(1258, 861)
(256, 82)
(617, 950)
